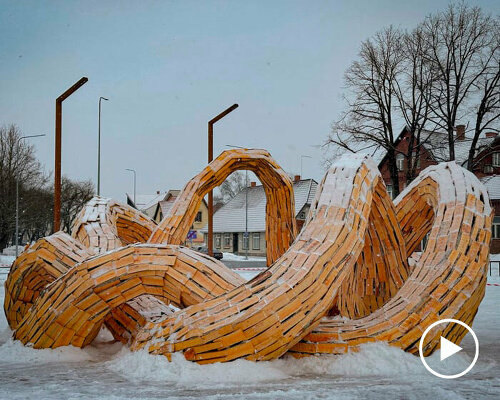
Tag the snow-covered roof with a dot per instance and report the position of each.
(231, 216)
(145, 201)
(167, 204)
(437, 145)
(492, 184)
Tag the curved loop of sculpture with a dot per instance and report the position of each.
(280, 211)
(37, 267)
(350, 259)
(449, 279)
(104, 224)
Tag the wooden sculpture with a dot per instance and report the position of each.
(343, 281)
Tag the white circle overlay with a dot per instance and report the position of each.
(443, 321)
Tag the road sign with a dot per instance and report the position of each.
(191, 235)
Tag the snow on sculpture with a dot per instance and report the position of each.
(342, 281)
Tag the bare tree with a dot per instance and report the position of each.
(234, 184)
(368, 122)
(74, 195)
(17, 162)
(487, 111)
(412, 88)
(457, 39)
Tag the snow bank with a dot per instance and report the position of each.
(13, 351)
(234, 257)
(373, 360)
(141, 365)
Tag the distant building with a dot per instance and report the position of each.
(435, 150)
(229, 220)
(146, 203)
(197, 238)
(492, 183)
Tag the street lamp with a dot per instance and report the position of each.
(17, 193)
(302, 159)
(57, 168)
(210, 158)
(133, 170)
(99, 149)
(246, 206)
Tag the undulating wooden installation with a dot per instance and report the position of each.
(344, 280)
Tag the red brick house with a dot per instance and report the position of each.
(435, 150)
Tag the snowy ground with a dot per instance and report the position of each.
(235, 257)
(109, 371)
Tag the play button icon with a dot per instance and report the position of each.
(448, 348)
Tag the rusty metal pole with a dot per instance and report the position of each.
(211, 123)
(57, 167)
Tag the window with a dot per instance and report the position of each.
(256, 241)
(496, 228)
(217, 240)
(496, 159)
(390, 190)
(400, 162)
(198, 217)
(227, 240)
(245, 240)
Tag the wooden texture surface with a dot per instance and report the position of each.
(345, 280)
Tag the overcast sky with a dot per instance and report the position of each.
(170, 66)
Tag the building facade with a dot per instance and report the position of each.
(238, 216)
(435, 150)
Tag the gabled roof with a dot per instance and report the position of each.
(145, 201)
(436, 143)
(231, 216)
(166, 205)
(437, 146)
(492, 184)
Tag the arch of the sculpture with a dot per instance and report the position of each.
(382, 267)
(103, 225)
(280, 211)
(448, 281)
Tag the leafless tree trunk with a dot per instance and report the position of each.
(368, 122)
(488, 87)
(457, 38)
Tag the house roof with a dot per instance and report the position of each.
(437, 146)
(145, 201)
(231, 216)
(167, 204)
(436, 143)
(492, 184)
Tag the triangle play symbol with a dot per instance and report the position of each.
(448, 348)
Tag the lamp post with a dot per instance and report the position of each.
(99, 150)
(246, 206)
(57, 168)
(210, 158)
(301, 160)
(17, 194)
(133, 170)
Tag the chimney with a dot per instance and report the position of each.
(296, 178)
(460, 132)
(491, 134)
(253, 184)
